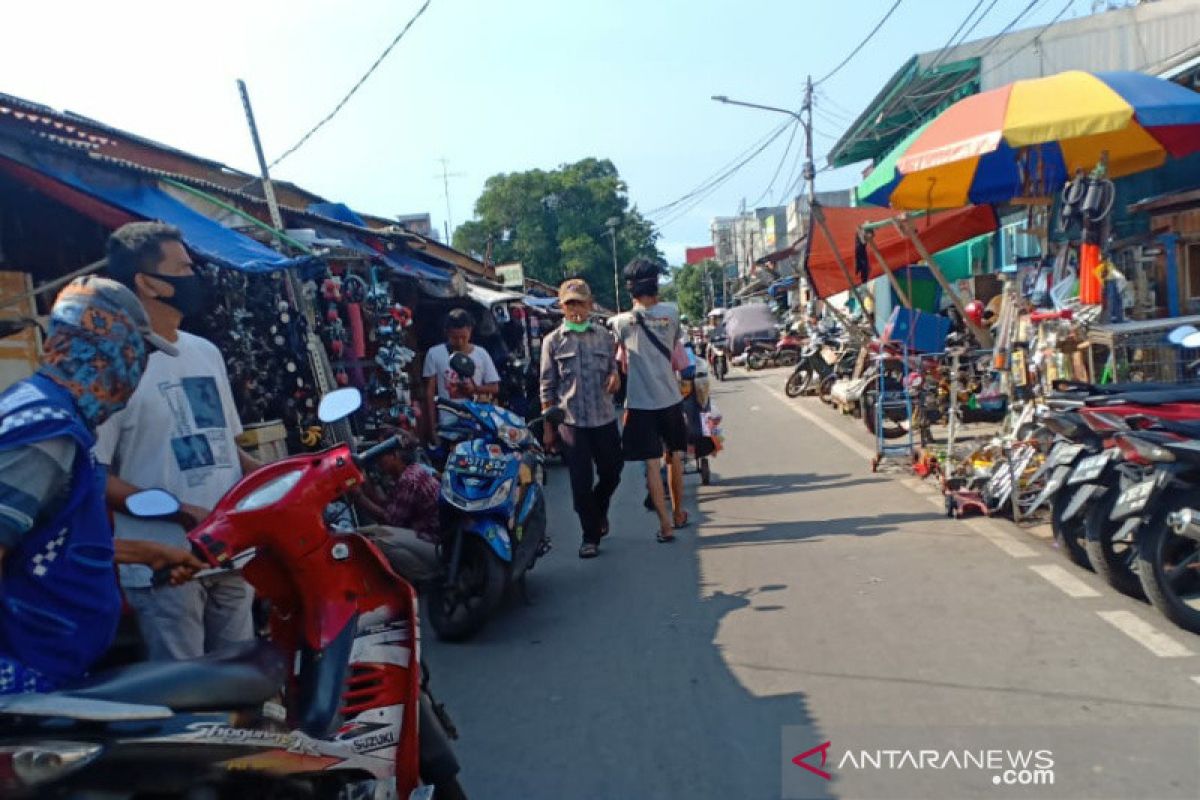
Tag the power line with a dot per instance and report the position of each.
(355, 88)
(861, 44)
(779, 166)
(713, 182)
(951, 43)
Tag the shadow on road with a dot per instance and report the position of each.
(610, 684)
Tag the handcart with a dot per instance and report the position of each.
(702, 420)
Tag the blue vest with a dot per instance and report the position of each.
(59, 601)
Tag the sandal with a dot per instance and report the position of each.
(662, 539)
(589, 550)
(682, 524)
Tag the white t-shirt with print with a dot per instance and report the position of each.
(177, 433)
(437, 365)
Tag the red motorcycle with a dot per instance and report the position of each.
(333, 705)
(784, 353)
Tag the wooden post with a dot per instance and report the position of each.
(905, 228)
(819, 217)
(869, 239)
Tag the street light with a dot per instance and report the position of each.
(612, 224)
(720, 98)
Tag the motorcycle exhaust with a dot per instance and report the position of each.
(1185, 522)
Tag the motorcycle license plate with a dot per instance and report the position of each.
(1134, 498)
(1065, 453)
(1090, 468)
(1053, 484)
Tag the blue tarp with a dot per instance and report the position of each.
(407, 265)
(338, 212)
(541, 302)
(142, 197)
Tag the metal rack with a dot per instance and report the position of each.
(893, 399)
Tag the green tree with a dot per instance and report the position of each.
(555, 223)
(692, 289)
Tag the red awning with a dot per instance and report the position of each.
(937, 231)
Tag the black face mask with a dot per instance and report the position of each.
(191, 295)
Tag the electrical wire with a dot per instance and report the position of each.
(387, 50)
(721, 176)
(779, 167)
(861, 44)
(955, 39)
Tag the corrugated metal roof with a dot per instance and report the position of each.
(1137, 38)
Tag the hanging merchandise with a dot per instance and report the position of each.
(1090, 284)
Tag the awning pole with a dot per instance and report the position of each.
(819, 216)
(905, 228)
(869, 239)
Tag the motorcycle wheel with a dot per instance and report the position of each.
(458, 612)
(825, 388)
(720, 368)
(1168, 565)
(756, 361)
(799, 382)
(1113, 561)
(1069, 534)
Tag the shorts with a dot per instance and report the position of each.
(647, 433)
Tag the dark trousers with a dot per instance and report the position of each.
(593, 458)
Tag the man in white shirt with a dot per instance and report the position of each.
(177, 433)
(443, 382)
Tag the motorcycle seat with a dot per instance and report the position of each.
(1155, 397)
(242, 676)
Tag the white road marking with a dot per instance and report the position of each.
(1196, 679)
(1145, 634)
(1000, 537)
(989, 530)
(1070, 584)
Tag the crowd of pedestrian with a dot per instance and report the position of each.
(124, 400)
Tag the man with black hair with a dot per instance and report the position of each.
(654, 425)
(177, 433)
(443, 382)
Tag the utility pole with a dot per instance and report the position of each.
(268, 188)
(612, 223)
(446, 176)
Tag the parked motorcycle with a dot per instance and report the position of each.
(333, 705)
(823, 354)
(493, 511)
(783, 353)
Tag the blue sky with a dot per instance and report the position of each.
(491, 86)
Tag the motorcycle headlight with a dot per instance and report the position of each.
(493, 499)
(270, 492)
(34, 763)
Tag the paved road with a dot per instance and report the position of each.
(813, 602)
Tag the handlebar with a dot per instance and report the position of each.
(386, 446)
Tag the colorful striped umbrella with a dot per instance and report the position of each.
(1027, 138)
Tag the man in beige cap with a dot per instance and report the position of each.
(579, 374)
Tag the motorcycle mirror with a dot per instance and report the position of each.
(339, 404)
(555, 416)
(1179, 335)
(152, 503)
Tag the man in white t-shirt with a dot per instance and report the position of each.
(177, 433)
(443, 382)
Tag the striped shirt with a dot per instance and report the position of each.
(575, 369)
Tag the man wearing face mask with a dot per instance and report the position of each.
(579, 374)
(177, 433)
(59, 603)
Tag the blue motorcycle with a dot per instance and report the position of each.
(493, 512)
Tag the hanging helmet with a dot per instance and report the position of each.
(974, 311)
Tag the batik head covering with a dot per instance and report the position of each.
(97, 345)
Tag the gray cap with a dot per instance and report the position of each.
(93, 293)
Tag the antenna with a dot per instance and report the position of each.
(446, 176)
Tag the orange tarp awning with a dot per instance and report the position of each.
(938, 231)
